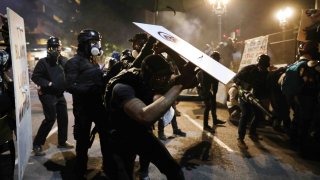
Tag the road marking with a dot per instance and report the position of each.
(217, 140)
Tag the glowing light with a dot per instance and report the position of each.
(283, 14)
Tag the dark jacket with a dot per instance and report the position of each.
(118, 119)
(83, 77)
(251, 77)
(47, 71)
(208, 84)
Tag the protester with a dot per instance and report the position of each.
(233, 104)
(132, 112)
(278, 101)
(85, 83)
(128, 56)
(252, 78)
(158, 48)
(209, 89)
(49, 76)
(300, 85)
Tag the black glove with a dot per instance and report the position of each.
(187, 78)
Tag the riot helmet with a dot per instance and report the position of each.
(264, 61)
(216, 55)
(90, 42)
(53, 42)
(53, 48)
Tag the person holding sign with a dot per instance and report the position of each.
(129, 96)
(49, 76)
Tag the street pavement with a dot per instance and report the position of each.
(202, 155)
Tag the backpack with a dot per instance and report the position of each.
(292, 83)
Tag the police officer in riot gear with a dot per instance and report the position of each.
(49, 76)
(85, 83)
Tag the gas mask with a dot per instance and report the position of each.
(95, 48)
(53, 53)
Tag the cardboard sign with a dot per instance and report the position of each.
(308, 19)
(21, 89)
(252, 49)
(189, 52)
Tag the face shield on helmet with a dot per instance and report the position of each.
(90, 42)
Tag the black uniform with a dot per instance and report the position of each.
(85, 83)
(6, 127)
(52, 98)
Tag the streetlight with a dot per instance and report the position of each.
(219, 7)
(283, 15)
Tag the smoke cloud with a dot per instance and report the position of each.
(188, 28)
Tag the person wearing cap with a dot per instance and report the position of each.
(130, 95)
(129, 55)
(49, 75)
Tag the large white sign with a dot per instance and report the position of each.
(252, 49)
(192, 54)
(21, 89)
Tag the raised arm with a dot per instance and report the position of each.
(148, 115)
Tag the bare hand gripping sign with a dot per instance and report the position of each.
(189, 52)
